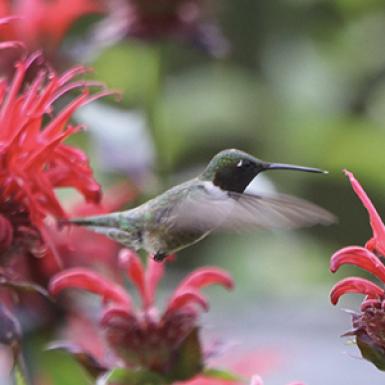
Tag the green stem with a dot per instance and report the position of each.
(20, 372)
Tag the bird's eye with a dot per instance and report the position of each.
(245, 164)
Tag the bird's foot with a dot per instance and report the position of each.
(160, 256)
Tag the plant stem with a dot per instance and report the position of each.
(20, 372)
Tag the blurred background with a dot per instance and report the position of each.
(293, 81)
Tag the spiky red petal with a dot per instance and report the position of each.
(154, 273)
(378, 228)
(79, 278)
(135, 271)
(185, 298)
(206, 276)
(116, 314)
(359, 256)
(34, 159)
(355, 285)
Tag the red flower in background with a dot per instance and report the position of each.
(180, 20)
(42, 24)
(144, 337)
(78, 246)
(369, 323)
(33, 158)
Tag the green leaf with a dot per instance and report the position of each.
(221, 374)
(124, 376)
(83, 358)
(188, 360)
(19, 377)
(135, 71)
(20, 372)
(63, 369)
(371, 351)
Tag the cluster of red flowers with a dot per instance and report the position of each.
(43, 24)
(35, 161)
(369, 323)
(145, 338)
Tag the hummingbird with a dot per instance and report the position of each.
(214, 200)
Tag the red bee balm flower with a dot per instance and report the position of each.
(42, 24)
(33, 158)
(181, 20)
(144, 338)
(369, 324)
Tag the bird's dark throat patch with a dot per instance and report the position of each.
(234, 178)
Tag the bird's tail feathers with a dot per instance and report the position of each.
(105, 220)
(108, 224)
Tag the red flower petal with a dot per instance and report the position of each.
(11, 44)
(85, 279)
(376, 223)
(184, 298)
(206, 276)
(44, 23)
(360, 257)
(370, 303)
(355, 285)
(197, 280)
(34, 159)
(113, 200)
(135, 271)
(6, 233)
(8, 19)
(117, 313)
(154, 273)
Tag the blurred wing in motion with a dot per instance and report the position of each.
(205, 210)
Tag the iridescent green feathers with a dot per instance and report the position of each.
(215, 199)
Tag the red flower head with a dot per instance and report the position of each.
(33, 158)
(145, 338)
(42, 24)
(369, 324)
(181, 20)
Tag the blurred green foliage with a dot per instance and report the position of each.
(303, 83)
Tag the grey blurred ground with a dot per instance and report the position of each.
(305, 332)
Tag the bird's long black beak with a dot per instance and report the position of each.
(283, 166)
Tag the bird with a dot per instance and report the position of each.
(214, 200)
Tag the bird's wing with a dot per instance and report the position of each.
(208, 209)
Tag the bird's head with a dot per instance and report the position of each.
(233, 170)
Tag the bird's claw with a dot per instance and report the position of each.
(160, 256)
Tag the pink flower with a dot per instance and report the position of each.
(144, 337)
(34, 161)
(369, 324)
